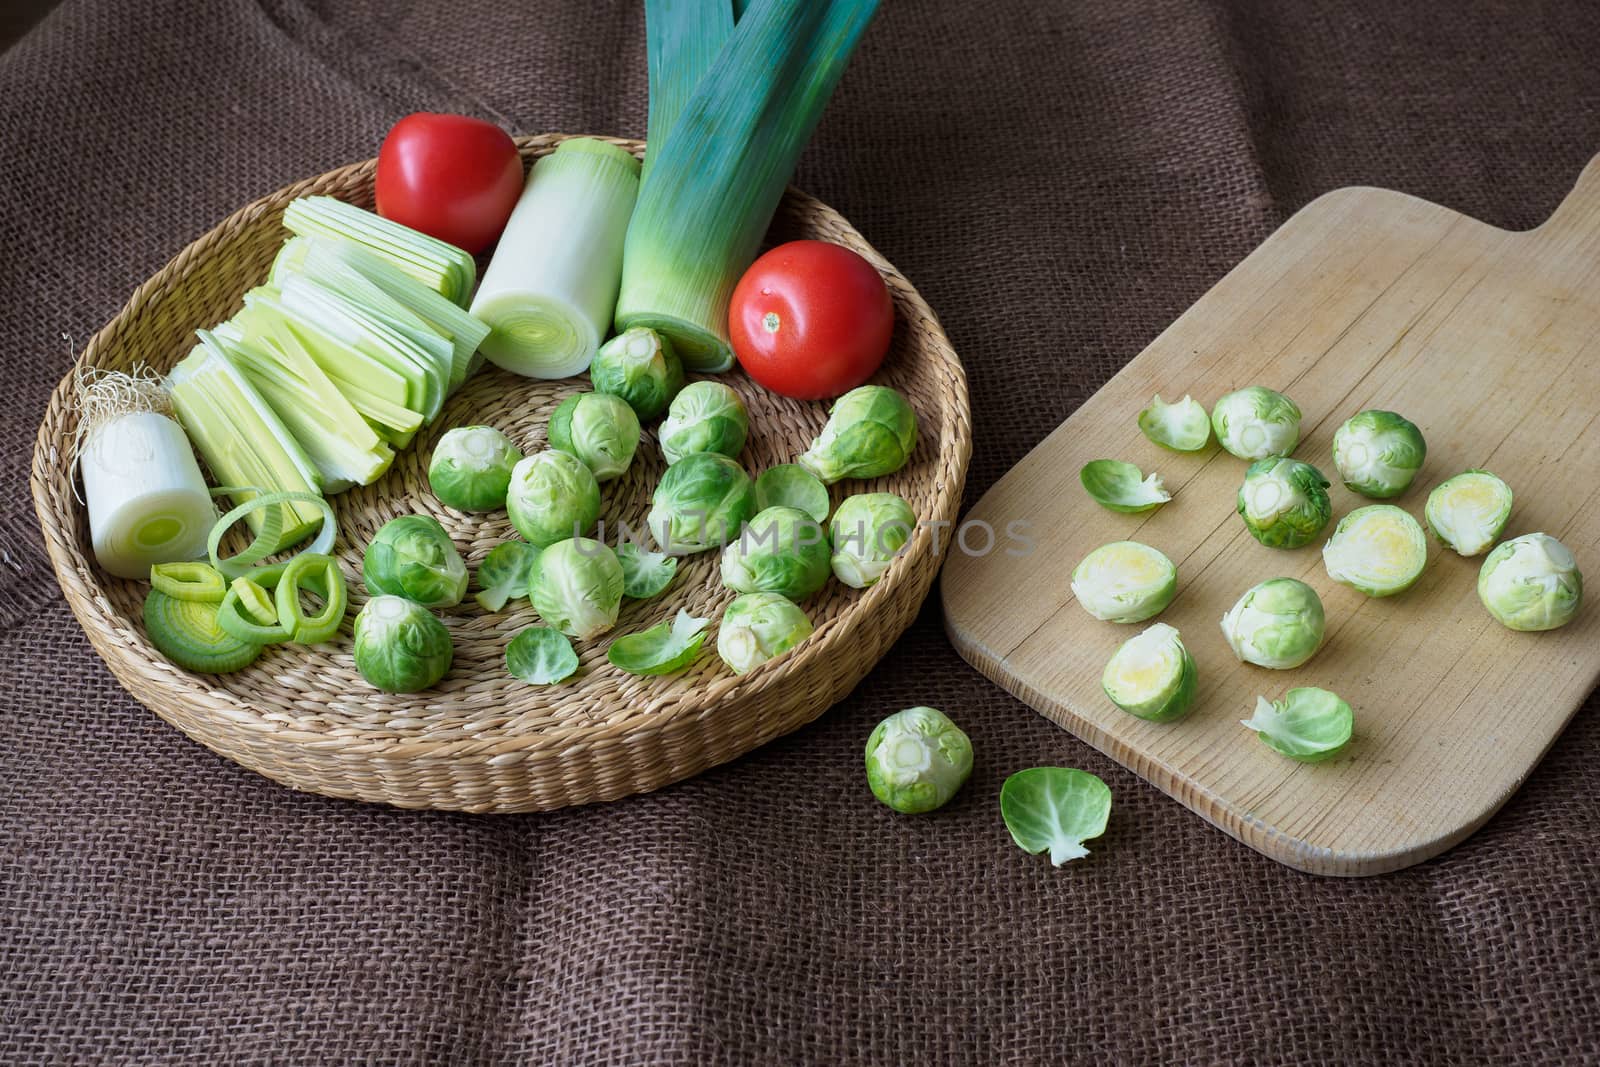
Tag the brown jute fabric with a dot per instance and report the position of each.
(1059, 180)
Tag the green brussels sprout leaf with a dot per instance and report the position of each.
(400, 646)
(1468, 513)
(871, 431)
(1122, 487)
(553, 496)
(541, 656)
(1182, 427)
(412, 556)
(644, 573)
(665, 648)
(1152, 676)
(505, 573)
(1378, 453)
(1284, 502)
(471, 468)
(757, 627)
(792, 486)
(1308, 724)
(917, 759)
(640, 366)
(1254, 423)
(868, 531)
(1055, 809)
(705, 416)
(1531, 583)
(780, 550)
(577, 587)
(1125, 582)
(1278, 624)
(599, 429)
(1378, 549)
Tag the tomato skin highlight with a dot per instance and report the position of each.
(450, 176)
(810, 320)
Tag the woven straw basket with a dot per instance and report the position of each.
(481, 740)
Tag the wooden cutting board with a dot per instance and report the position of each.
(1487, 340)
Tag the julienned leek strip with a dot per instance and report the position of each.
(551, 287)
(682, 39)
(717, 178)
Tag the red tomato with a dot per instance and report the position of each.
(810, 320)
(450, 176)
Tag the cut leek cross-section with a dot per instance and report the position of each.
(444, 268)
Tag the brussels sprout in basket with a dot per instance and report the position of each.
(412, 556)
(704, 417)
(1125, 582)
(1152, 676)
(1182, 427)
(1277, 624)
(400, 647)
(1378, 549)
(868, 531)
(1308, 724)
(871, 431)
(553, 497)
(1468, 513)
(702, 502)
(599, 429)
(1284, 502)
(1531, 583)
(471, 468)
(1254, 423)
(781, 550)
(758, 627)
(640, 366)
(1122, 487)
(1378, 453)
(917, 759)
(577, 587)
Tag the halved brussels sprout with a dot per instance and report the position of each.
(471, 468)
(868, 531)
(758, 627)
(792, 486)
(917, 759)
(1284, 502)
(702, 502)
(1378, 453)
(1468, 513)
(505, 573)
(541, 656)
(412, 556)
(553, 496)
(1531, 583)
(871, 431)
(1055, 809)
(1277, 624)
(400, 647)
(644, 573)
(640, 366)
(781, 550)
(599, 429)
(1125, 582)
(704, 417)
(665, 648)
(1378, 549)
(1255, 422)
(1152, 676)
(577, 587)
(1182, 427)
(1122, 487)
(1308, 724)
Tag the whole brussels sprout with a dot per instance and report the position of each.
(640, 366)
(553, 496)
(1277, 624)
(413, 557)
(599, 429)
(1254, 423)
(704, 417)
(758, 627)
(917, 759)
(400, 647)
(1378, 453)
(1531, 583)
(471, 467)
(781, 550)
(1284, 502)
(577, 587)
(871, 431)
(702, 502)
(867, 533)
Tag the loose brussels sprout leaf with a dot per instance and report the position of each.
(471, 468)
(1531, 583)
(758, 627)
(1182, 427)
(577, 587)
(1284, 502)
(640, 366)
(702, 502)
(917, 759)
(553, 496)
(665, 648)
(1468, 513)
(868, 531)
(504, 574)
(412, 556)
(781, 550)
(1122, 487)
(644, 573)
(1309, 724)
(541, 656)
(871, 431)
(704, 417)
(792, 486)
(1055, 808)
(1152, 676)
(1277, 624)
(599, 429)
(1378, 453)
(1378, 549)
(1254, 423)
(400, 647)
(1125, 582)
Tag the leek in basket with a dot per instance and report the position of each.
(682, 38)
(444, 268)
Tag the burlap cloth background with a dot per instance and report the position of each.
(1060, 180)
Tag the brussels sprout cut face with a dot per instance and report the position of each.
(1254, 423)
(758, 627)
(781, 550)
(553, 496)
(1378, 549)
(413, 557)
(1055, 809)
(541, 656)
(705, 417)
(1531, 583)
(577, 587)
(599, 429)
(1467, 513)
(792, 486)
(917, 759)
(1122, 487)
(1152, 676)
(1378, 453)
(639, 366)
(702, 502)
(644, 573)
(471, 468)
(1182, 427)
(665, 648)
(400, 647)
(1284, 502)
(868, 531)
(1277, 624)
(1125, 582)
(871, 431)
(1309, 725)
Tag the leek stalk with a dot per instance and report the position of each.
(682, 38)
